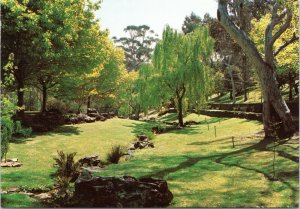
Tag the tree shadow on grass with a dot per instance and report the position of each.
(139, 128)
(65, 131)
(213, 120)
(219, 159)
(21, 140)
(210, 142)
(169, 117)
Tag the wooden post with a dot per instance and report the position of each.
(232, 142)
(215, 131)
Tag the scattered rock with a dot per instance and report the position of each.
(123, 191)
(90, 161)
(13, 190)
(160, 130)
(141, 143)
(172, 123)
(91, 110)
(142, 137)
(89, 119)
(43, 196)
(11, 163)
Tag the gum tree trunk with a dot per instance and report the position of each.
(264, 68)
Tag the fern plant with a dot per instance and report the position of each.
(66, 167)
(67, 171)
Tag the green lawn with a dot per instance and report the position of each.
(254, 96)
(202, 170)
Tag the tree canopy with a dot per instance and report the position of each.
(178, 70)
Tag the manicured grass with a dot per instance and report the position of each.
(205, 171)
(19, 201)
(37, 153)
(202, 170)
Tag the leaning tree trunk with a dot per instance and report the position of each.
(265, 70)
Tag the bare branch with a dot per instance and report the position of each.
(292, 40)
(269, 38)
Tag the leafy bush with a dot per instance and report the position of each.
(115, 154)
(7, 124)
(66, 167)
(21, 131)
(67, 171)
(57, 105)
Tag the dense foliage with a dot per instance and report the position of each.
(180, 68)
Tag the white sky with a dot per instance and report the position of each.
(115, 15)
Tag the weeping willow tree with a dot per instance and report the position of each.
(179, 70)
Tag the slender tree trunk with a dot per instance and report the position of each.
(89, 102)
(31, 101)
(232, 84)
(245, 77)
(266, 73)
(245, 92)
(20, 95)
(44, 100)
(296, 88)
(78, 109)
(137, 112)
(180, 115)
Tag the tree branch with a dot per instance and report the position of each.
(269, 38)
(237, 34)
(292, 40)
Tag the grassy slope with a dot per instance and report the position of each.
(201, 170)
(254, 96)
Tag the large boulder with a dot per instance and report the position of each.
(123, 191)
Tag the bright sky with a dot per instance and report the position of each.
(115, 15)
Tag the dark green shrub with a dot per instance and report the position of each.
(115, 154)
(57, 106)
(21, 131)
(67, 171)
(66, 167)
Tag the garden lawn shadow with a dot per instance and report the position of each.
(138, 128)
(67, 130)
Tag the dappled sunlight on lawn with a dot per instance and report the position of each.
(202, 167)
